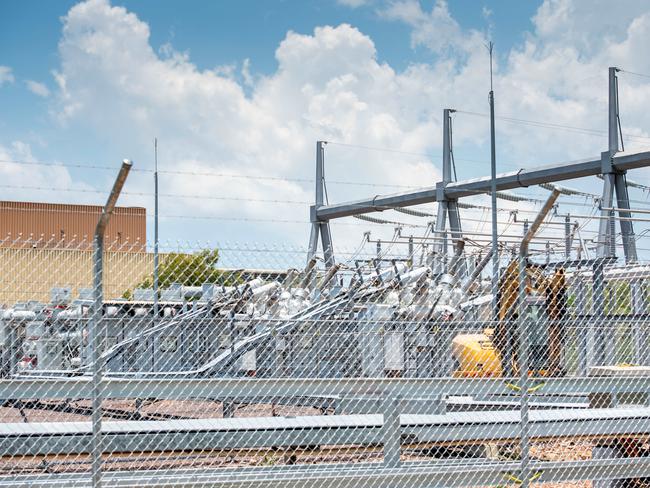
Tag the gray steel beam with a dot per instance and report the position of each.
(504, 181)
(604, 229)
(326, 240)
(444, 205)
(412, 474)
(313, 241)
(233, 388)
(54, 438)
(615, 181)
(627, 228)
(320, 227)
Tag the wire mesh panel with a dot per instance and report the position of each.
(263, 365)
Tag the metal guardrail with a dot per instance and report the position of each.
(231, 388)
(193, 435)
(349, 476)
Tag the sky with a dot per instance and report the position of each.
(238, 93)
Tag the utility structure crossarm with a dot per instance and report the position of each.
(466, 188)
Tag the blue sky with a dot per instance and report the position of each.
(216, 34)
(213, 31)
(228, 90)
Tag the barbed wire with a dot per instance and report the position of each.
(206, 173)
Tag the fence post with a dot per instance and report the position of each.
(639, 330)
(96, 326)
(391, 432)
(524, 441)
(522, 327)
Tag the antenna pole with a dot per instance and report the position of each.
(155, 233)
(493, 191)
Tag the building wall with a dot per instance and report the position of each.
(31, 224)
(30, 273)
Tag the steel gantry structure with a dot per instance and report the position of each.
(611, 166)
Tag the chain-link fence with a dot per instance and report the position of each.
(252, 366)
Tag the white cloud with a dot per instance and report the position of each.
(24, 180)
(38, 88)
(353, 3)
(436, 29)
(329, 85)
(6, 75)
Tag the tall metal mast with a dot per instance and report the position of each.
(493, 191)
(155, 233)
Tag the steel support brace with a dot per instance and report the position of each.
(313, 238)
(627, 229)
(604, 231)
(447, 208)
(326, 241)
(320, 228)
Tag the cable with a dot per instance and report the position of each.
(515, 198)
(414, 213)
(548, 125)
(379, 149)
(375, 220)
(631, 183)
(566, 191)
(205, 173)
(68, 165)
(634, 73)
(172, 195)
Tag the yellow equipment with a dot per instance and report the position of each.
(483, 354)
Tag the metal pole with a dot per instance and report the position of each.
(391, 432)
(613, 113)
(524, 441)
(95, 334)
(325, 233)
(155, 234)
(96, 326)
(567, 236)
(493, 164)
(441, 220)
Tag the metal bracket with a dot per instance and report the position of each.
(606, 166)
(440, 191)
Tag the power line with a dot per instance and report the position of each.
(206, 173)
(643, 75)
(171, 195)
(548, 125)
(379, 149)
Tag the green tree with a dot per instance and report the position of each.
(188, 270)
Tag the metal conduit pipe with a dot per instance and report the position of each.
(329, 275)
(309, 271)
(477, 272)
